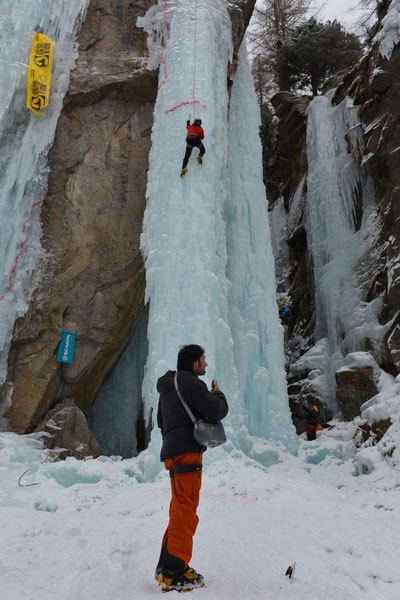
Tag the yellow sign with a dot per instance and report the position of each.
(39, 73)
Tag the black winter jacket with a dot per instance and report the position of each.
(172, 418)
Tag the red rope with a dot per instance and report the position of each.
(186, 103)
(21, 249)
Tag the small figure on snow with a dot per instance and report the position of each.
(313, 422)
(195, 135)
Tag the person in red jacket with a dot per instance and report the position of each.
(195, 135)
(183, 457)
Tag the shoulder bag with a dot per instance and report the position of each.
(205, 433)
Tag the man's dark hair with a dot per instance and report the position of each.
(187, 355)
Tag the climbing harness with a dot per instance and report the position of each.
(184, 469)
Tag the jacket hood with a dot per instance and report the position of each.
(166, 382)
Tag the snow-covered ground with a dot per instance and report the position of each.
(90, 530)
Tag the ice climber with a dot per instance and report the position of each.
(194, 137)
(285, 314)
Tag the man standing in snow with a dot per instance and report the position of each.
(182, 457)
(194, 137)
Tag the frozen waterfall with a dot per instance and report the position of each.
(205, 240)
(340, 231)
(208, 256)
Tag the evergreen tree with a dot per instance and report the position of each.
(312, 52)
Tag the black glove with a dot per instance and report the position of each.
(187, 122)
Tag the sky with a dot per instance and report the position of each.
(344, 11)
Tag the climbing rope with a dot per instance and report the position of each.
(195, 62)
(26, 484)
(193, 103)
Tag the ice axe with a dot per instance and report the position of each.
(290, 570)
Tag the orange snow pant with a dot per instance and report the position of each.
(177, 544)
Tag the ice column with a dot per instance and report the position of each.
(190, 225)
(257, 332)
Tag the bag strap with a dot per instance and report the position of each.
(189, 412)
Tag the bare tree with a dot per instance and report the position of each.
(271, 25)
(278, 17)
(370, 12)
(263, 79)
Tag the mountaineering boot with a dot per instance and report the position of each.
(184, 171)
(199, 160)
(185, 582)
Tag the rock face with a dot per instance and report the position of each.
(353, 388)
(381, 113)
(288, 171)
(290, 162)
(374, 85)
(93, 283)
(66, 433)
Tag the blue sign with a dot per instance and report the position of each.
(66, 347)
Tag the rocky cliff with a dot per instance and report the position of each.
(374, 86)
(94, 281)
